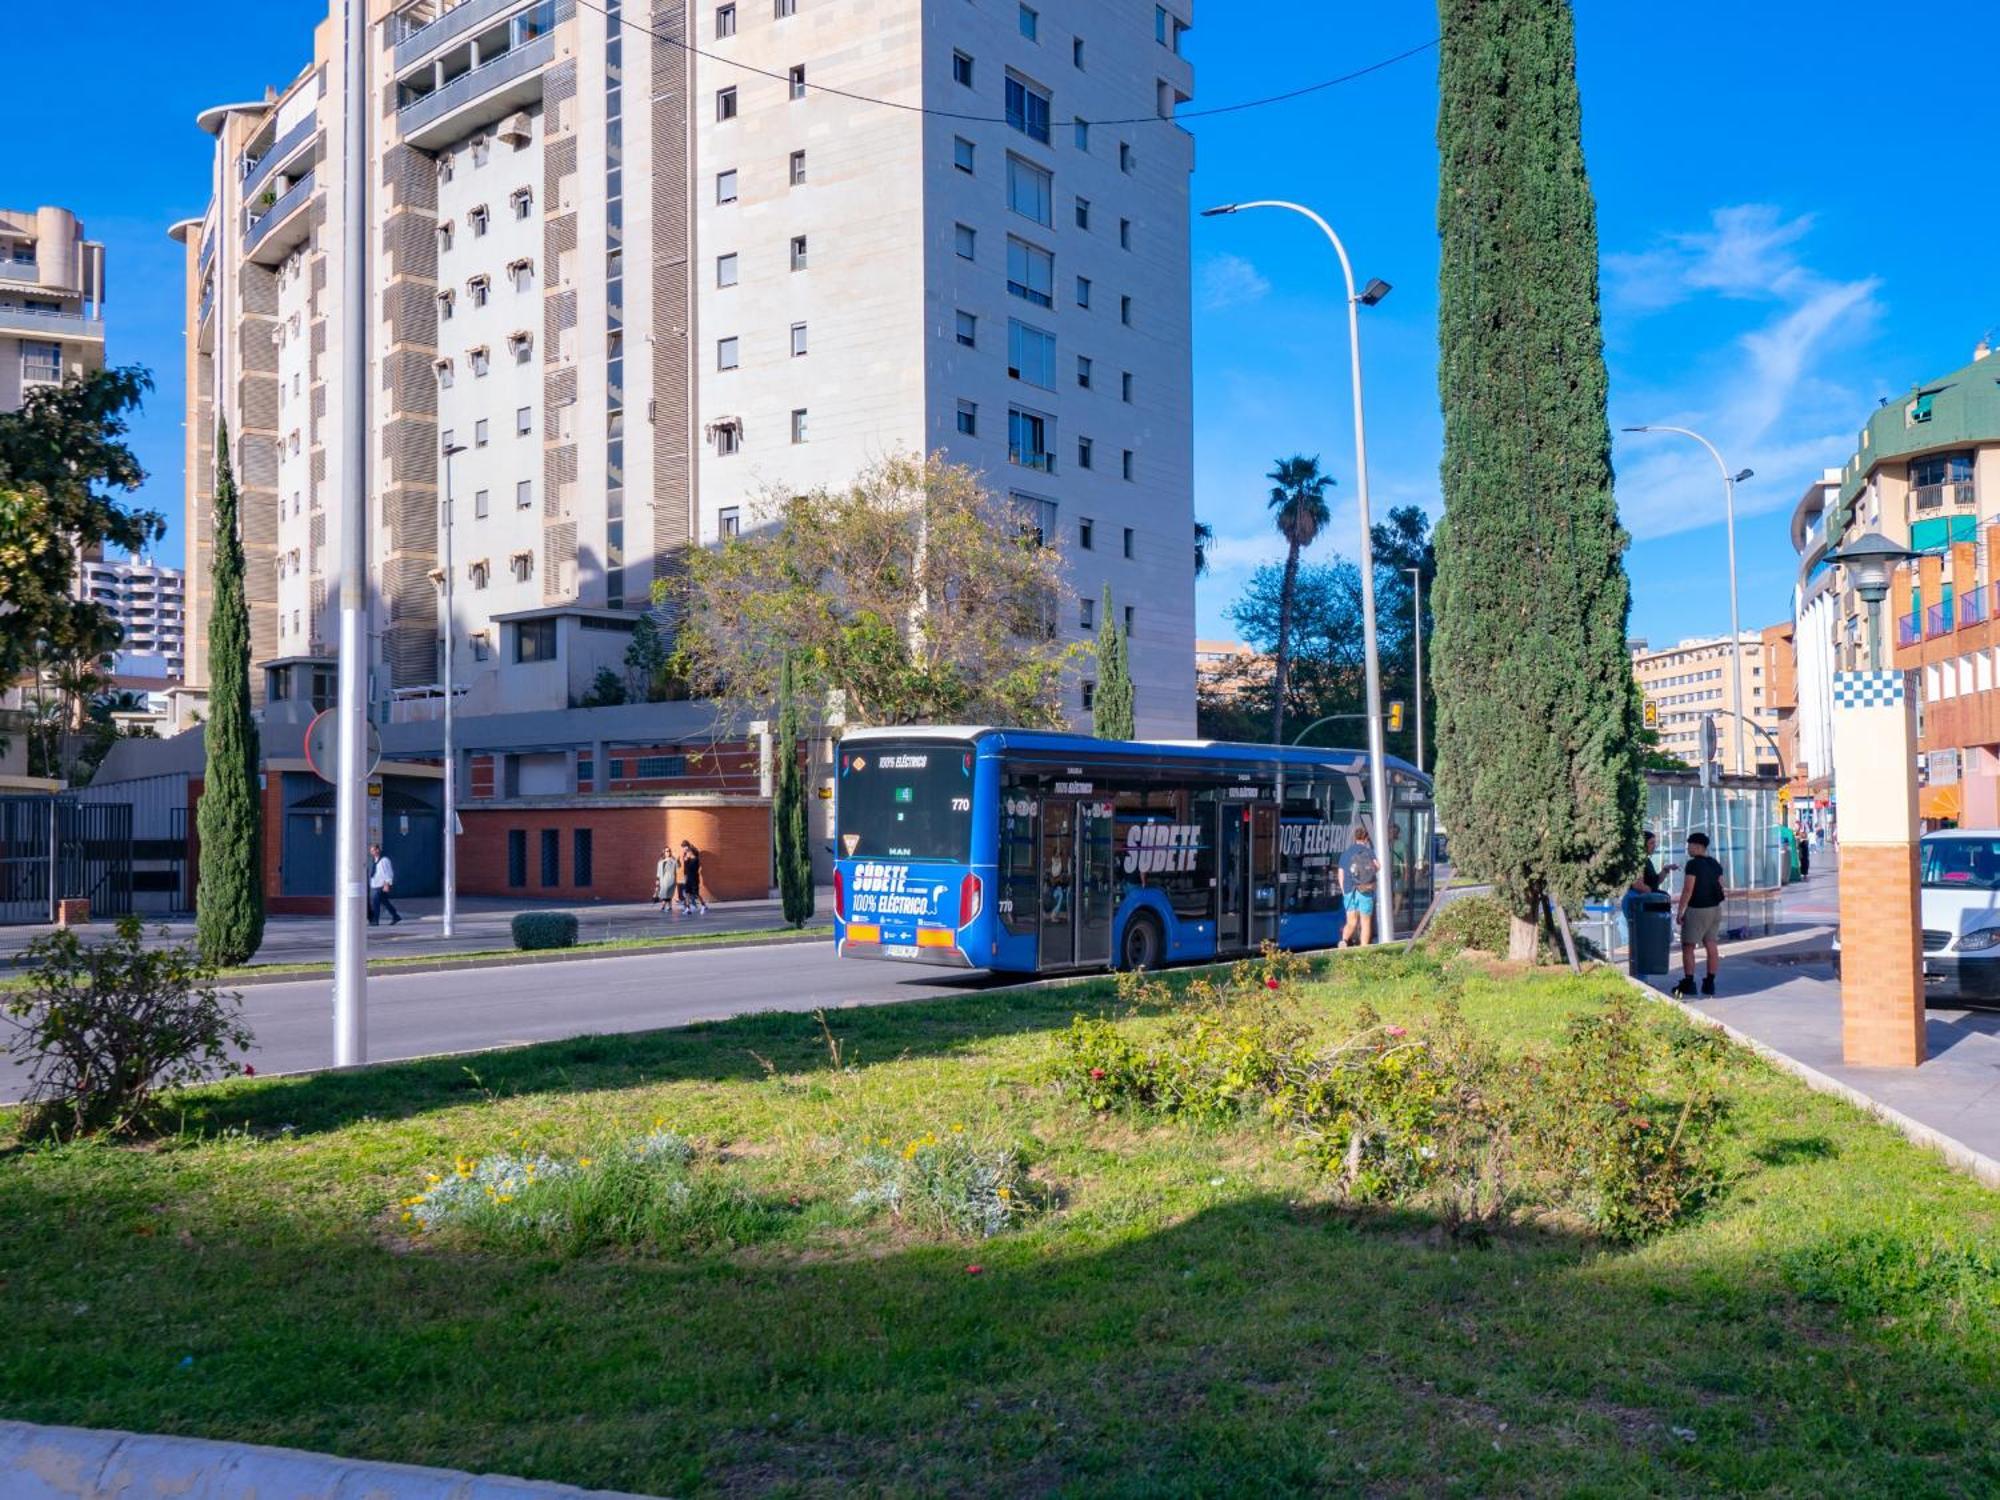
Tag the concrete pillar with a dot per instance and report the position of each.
(1881, 927)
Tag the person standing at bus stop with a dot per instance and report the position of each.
(1357, 883)
(1700, 914)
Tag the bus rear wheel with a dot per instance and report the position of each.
(1143, 943)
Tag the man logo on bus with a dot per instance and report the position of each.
(1161, 848)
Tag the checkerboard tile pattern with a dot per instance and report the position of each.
(1867, 689)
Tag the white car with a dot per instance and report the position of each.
(1960, 912)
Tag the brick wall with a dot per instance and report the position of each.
(1881, 956)
(625, 842)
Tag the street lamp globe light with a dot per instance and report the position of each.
(1871, 559)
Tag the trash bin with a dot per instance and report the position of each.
(1652, 922)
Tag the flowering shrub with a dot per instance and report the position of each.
(1209, 1065)
(474, 1186)
(953, 1183)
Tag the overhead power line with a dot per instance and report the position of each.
(979, 119)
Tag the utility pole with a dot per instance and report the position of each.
(1417, 641)
(450, 745)
(350, 936)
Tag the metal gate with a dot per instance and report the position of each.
(57, 849)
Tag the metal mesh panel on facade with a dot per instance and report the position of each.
(558, 562)
(255, 352)
(558, 162)
(409, 450)
(558, 474)
(258, 288)
(559, 97)
(260, 404)
(409, 381)
(256, 458)
(411, 178)
(673, 519)
(411, 308)
(409, 245)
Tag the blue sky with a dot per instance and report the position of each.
(1796, 213)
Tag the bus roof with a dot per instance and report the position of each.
(1080, 744)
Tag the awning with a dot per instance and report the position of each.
(1940, 802)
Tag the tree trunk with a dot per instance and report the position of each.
(1285, 593)
(1523, 938)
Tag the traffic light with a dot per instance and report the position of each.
(1395, 716)
(1652, 714)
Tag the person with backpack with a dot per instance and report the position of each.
(667, 881)
(1358, 867)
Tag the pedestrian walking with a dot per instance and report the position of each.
(381, 880)
(667, 881)
(1805, 847)
(1357, 883)
(1700, 914)
(691, 879)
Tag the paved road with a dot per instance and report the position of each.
(417, 1015)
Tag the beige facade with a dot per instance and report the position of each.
(1685, 683)
(51, 301)
(640, 289)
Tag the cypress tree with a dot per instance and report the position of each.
(229, 904)
(1537, 715)
(1111, 712)
(788, 814)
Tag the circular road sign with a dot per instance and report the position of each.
(323, 745)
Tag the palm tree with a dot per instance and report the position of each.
(1298, 496)
(1204, 538)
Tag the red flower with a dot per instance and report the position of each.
(248, 1071)
(975, 1270)
(1642, 1124)
(1271, 982)
(1097, 1072)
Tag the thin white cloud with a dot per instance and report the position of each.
(1764, 399)
(1231, 281)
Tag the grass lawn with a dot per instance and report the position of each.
(1190, 1313)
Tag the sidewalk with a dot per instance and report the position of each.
(1780, 991)
(483, 924)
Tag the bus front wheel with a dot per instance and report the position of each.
(1143, 943)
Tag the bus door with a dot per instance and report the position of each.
(1263, 875)
(1246, 877)
(1077, 885)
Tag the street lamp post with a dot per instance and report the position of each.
(1870, 559)
(450, 918)
(1378, 778)
(1730, 479)
(1417, 643)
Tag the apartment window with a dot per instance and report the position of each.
(444, 236)
(725, 21)
(1086, 613)
(725, 186)
(524, 494)
(726, 354)
(1124, 234)
(1085, 452)
(524, 569)
(535, 640)
(521, 344)
(523, 273)
(480, 431)
(1130, 537)
(481, 360)
(480, 505)
(443, 171)
(445, 437)
(968, 418)
(961, 69)
(1028, 109)
(728, 521)
(444, 372)
(798, 168)
(782, 8)
(966, 239)
(482, 150)
(725, 104)
(1083, 372)
(728, 439)
(1125, 463)
(798, 252)
(1089, 690)
(1076, 52)
(798, 340)
(1031, 355)
(551, 856)
(445, 300)
(523, 202)
(1126, 161)
(1030, 191)
(1125, 311)
(725, 269)
(1031, 23)
(1028, 435)
(480, 288)
(478, 218)
(524, 421)
(796, 80)
(1031, 273)
(1167, 28)
(580, 863)
(1083, 291)
(1125, 386)
(1131, 614)
(1083, 213)
(517, 857)
(798, 424)
(961, 153)
(968, 330)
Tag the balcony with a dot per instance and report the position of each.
(420, 40)
(19, 270)
(33, 322)
(274, 230)
(1937, 496)
(1972, 609)
(280, 152)
(1938, 619)
(1909, 629)
(482, 80)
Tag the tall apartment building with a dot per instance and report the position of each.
(147, 602)
(1691, 680)
(641, 267)
(1818, 629)
(51, 301)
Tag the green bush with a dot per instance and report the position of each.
(952, 1184)
(544, 929)
(1479, 923)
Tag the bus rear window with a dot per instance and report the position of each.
(906, 802)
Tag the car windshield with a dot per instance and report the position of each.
(1962, 864)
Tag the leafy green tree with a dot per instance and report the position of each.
(1204, 544)
(1298, 501)
(229, 903)
(646, 660)
(788, 814)
(1538, 716)
(1112, 716)
(607, 690)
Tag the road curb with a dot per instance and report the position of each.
(1957, 1155)
(80, 1463)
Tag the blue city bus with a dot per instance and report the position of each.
(1029, 852)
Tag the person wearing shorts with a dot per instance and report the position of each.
(1357, 882)
(1700, 914)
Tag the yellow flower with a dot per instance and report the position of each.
(407, 1216)
(910, 1151)
(583, 1161)
(660, 1123)
(958, 1130)
(1005, 1194)
(413, 1202)
(504, 1198)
